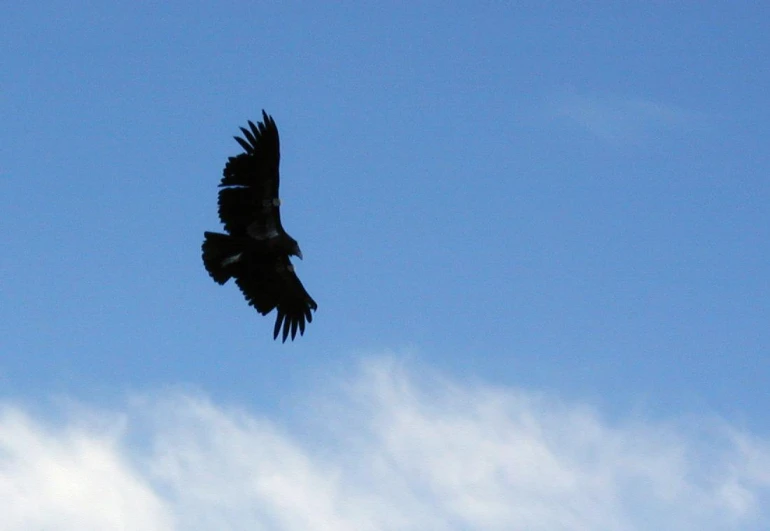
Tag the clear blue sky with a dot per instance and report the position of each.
(552, 200)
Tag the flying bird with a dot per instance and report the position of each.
(256, 249)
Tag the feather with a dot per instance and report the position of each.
(243, 144)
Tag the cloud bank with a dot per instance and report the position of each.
(388, 449)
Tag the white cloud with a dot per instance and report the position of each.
(71, 478)
(388, 450)
(616, 119)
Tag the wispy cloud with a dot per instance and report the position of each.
(616, 119)
(72, 478)
(392, 451)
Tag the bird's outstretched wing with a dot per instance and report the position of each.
(248, 199)
(269, 282)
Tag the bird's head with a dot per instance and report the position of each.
(294, 249)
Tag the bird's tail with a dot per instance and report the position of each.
(221, 253)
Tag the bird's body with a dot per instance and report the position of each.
(256, 249)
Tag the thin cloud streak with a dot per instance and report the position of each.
(391, 450)
(617, 119)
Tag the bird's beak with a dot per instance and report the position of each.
(299, 254)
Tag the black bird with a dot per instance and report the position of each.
(256, 250)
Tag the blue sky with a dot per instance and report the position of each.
(535, 223)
